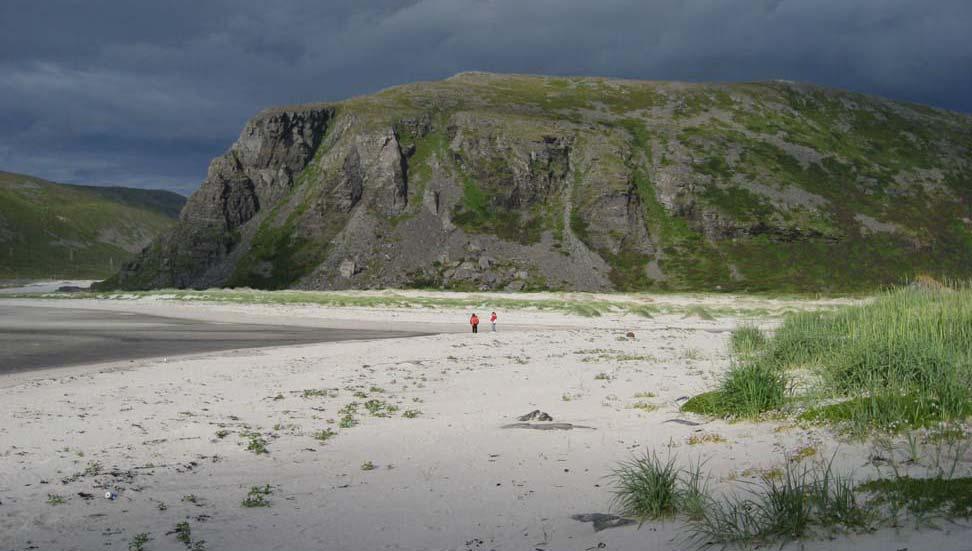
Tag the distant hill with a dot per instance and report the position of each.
(62, 230)
(486, 181)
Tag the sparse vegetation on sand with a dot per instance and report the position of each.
(255, 442)
(804, 500)
(324, 435)
(138, 542)
(903, 360)
(257, 497)
(791, 502)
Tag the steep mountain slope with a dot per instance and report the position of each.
(61, 230)
(506, 181)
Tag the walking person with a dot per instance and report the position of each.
(474, 321)
(492, 320)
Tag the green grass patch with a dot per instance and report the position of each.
(888, 412)
(951, 497)
(902, 360)
(746, 391)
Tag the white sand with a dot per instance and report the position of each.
(451, 478)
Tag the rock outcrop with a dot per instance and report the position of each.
(489, 181)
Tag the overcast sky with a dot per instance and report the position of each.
(144, 94)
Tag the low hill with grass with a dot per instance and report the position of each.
(486, 181)
(69, 231)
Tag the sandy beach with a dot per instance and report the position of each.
(410, 443)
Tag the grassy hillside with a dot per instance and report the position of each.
(58, 230)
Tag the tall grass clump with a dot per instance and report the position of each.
(752, 388)
(647, 488)
(746, 340)
(747, 390)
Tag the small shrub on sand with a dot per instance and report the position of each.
(183, 533)
(256, 443)
(257, 497)
(138, 542)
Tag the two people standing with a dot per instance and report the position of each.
(474, 322)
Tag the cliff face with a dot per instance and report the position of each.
(513, 182)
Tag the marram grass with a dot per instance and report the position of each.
(904, 359)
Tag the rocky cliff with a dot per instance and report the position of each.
(487, 181)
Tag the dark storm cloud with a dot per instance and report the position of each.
(145, 93)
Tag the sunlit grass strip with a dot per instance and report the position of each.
(570, 303)
(902, 360)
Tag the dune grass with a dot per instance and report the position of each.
(747, 339)
(779, 509)
(578, 304)
(802, 499)
(900, 361)
(795, 501)
(647, 488)
(747, 390)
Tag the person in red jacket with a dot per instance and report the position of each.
(492, 320)
(474, 321)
